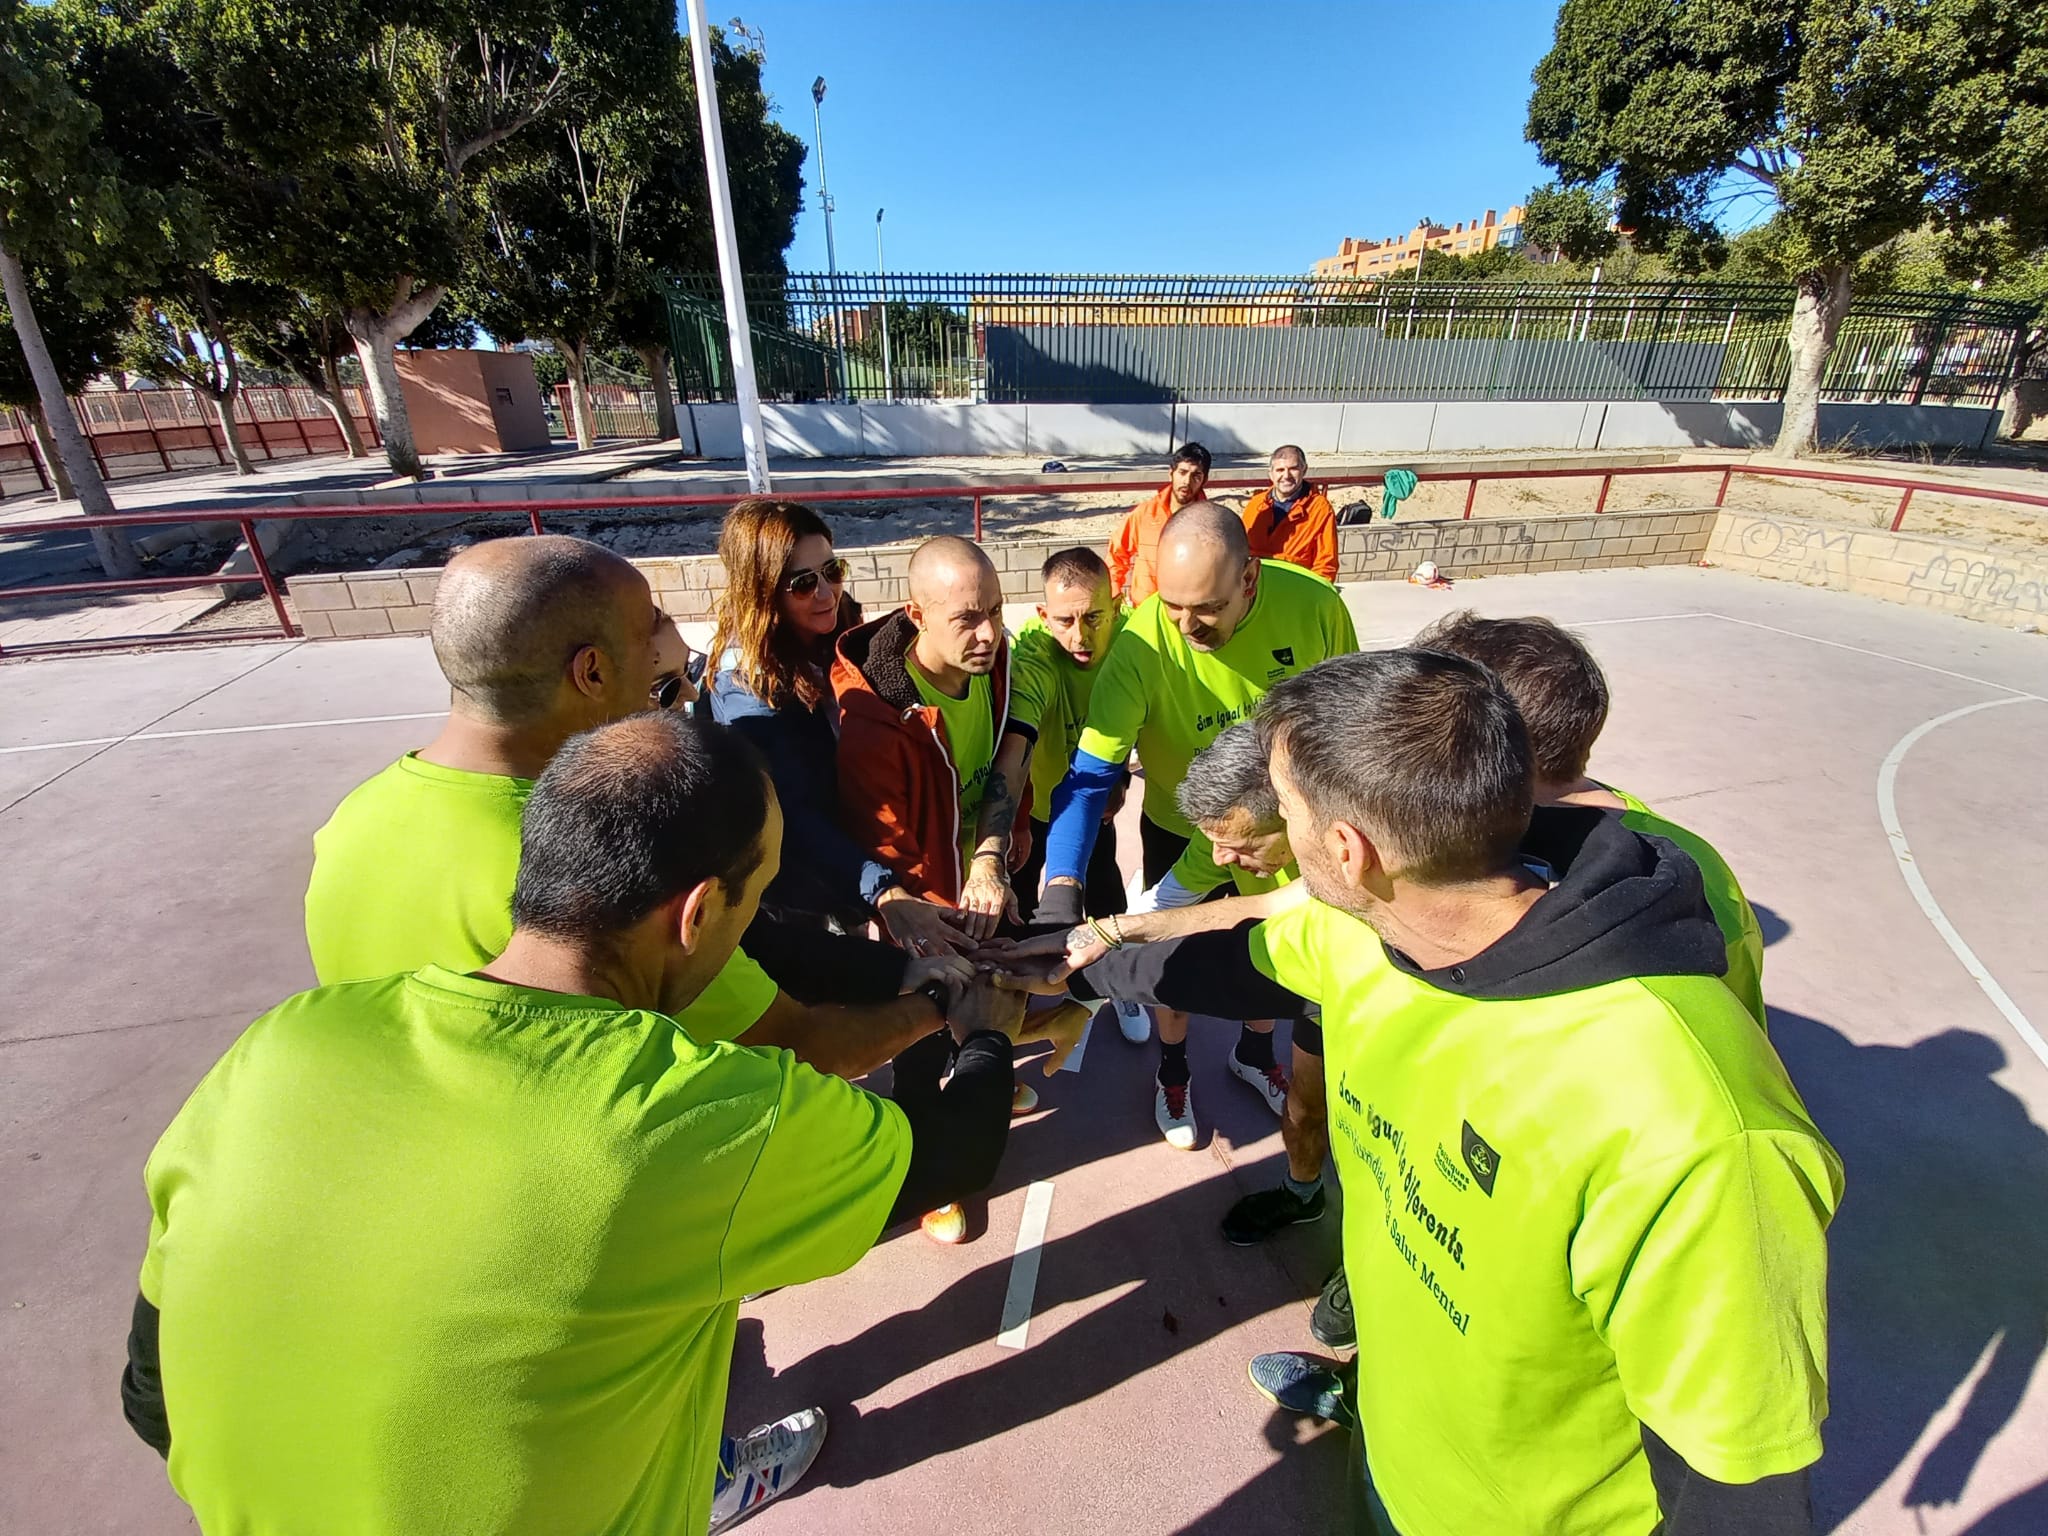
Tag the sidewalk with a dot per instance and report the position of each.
(49, 558)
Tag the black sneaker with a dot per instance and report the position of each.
(1331, 1323)
(1257, 1217)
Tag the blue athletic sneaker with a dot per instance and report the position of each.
(764, 1464)
(1305, 1384)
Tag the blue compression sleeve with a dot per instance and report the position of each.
(1077, 807)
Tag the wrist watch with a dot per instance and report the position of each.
(936, 991)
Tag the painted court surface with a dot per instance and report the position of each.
(1079, 1365)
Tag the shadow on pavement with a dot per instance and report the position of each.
(1939, 1253)
(1774, 927)
(1181, 1287)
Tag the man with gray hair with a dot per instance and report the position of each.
(1293, 521)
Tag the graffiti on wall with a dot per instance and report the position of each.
(1986, 580)
(1979, 582)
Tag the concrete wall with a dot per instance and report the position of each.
(399, 602)
(453, 399)
(1996, 586)
(1352, 427)
(514, 395)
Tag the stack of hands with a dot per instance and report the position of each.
(989, 982)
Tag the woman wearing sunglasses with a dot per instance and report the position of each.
(784, 607)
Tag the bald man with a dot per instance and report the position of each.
(1193, 660)
(542, 638)
(923, 693)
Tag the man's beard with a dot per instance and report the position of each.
(1330, 889)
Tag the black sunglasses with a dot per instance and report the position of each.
(803, 583)
(667, 690)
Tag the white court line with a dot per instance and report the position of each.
(1888, 813)
(220, 730)
(1073, 1061)
(1016, 1329)
(1862, 650)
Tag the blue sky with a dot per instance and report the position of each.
(1148, 135)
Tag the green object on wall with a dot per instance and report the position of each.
(1396, 487)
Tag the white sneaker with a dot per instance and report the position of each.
(1134, 1021)
(1174, 1109)
(764, 1464)
(1270, 1083)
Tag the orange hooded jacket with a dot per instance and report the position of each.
(899, 793)
(1304, 535)
(1134, 552)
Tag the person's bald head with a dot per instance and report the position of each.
(1207, 576)
(956, 602)
(545, 631)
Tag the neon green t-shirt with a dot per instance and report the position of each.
(415, 867)
(435, 1253)
(1732, 913)
(971, 738)
(1050, 693)
(1160, 695)
(1568, 1216)
(1198, 871)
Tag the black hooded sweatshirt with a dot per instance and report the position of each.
(1620, 905)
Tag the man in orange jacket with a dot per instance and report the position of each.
(923, 694)
(1294, 520)
(1134, 552)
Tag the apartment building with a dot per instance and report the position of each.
(1403, 253)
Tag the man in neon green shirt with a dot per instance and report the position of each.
(1562, 695)
(1055, 659)
(541, 638)
(1195, 658)
(449, 1252)
(1587, 1214)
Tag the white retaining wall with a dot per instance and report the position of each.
(916, 430)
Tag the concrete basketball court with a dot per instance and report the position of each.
(1874, 774)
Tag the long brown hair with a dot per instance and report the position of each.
(754, 546)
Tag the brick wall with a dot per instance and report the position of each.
(1997, 586)
(399, 602)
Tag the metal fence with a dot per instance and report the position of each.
(135, 432)
(1129, 340)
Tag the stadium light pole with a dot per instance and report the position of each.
(831, 257)
(882, 278)
(753, 442)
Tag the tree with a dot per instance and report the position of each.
(297, 337)
(65, 208)
(83, 340)
(578, 225)
(370, 126)
(185, 338)
(1857, 122)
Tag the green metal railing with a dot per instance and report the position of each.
(1134, 339)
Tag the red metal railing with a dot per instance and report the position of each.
(534, 508)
